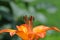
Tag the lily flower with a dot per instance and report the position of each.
(26, 32)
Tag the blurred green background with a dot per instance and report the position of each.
(45, 12)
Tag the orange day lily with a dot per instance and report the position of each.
(26, 32)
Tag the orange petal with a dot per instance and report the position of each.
(42, 35)
(12, 32)
(41, 30)
(22, 35)
(22, 28)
